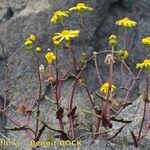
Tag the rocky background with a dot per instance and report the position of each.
(18, 18)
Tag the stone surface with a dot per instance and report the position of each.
(33, 17)
(132, 113)
(3, 120)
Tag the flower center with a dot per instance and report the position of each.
(65, 32)
(126, 19)
(80, 5)
(57, 13)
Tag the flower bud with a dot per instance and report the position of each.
(38, 49)
(122, 54)
(113, 40)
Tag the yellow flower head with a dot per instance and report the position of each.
(146, 41)
(50, 57)
(58, 15)
(126, 22)
(32, 37)
(145, 64)
(125, 54)
(38, 49)
(122, 54)
(81, 7)
(112, 40)
(106, 86)
(28, 42)
(65, 35)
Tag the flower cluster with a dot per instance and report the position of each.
(66, 35)
(60, 14)
(106, 87)
(126, 22)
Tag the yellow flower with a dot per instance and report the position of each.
(122, 54)
(112, 40)
(50, 57)
(65, 35)
(81, 7)
(126, 22)
(58, 15)
(32, 37)
(146, 41)
(106, 86)
(145, 64)
(28, 42)
(125, 54)
(38, 49)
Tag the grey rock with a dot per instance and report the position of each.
(9, 13)
(3, 120)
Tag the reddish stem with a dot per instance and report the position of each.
(128, 92)
(58, 93)
(39, 95)
(70, 102)
(145, 106)
(12, 57)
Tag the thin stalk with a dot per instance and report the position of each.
(123, 75)
(124, 63)
(81, 28)
(70, 102)
(125, 39)
(58, 92)
(97, 128)
(128, 92)
(106, 108)
(5, 87)
(12, 57)
(97, 70)
(145, 106)
(142, 122)
(39, 96)
(107, 104)
(68, 66)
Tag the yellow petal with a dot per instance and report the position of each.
(32, 37)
